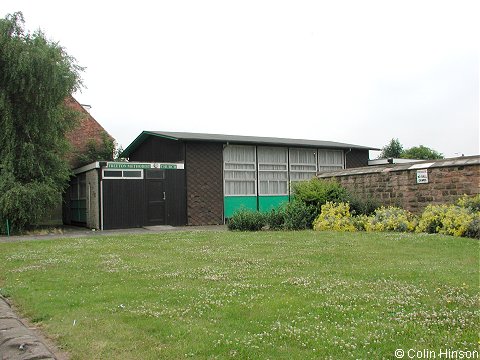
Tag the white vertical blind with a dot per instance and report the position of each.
(303, 164)
(272, 171)
(239, 166)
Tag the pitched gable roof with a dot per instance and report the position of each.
(238, 139)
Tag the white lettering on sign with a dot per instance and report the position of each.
(422, 176)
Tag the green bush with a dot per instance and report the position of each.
(470, 202)
(335, 217)
(275, 218)
(298, 215)
(391, 219)
(317, 192)
(473, 230)
(246, 220)
(360, 222)
(446, 219)
(362, 206)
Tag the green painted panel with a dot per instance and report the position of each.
(78, 210)
(267, 203)
(232, 203)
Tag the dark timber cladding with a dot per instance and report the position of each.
(157, 149)
(154, 200)
(123, 211)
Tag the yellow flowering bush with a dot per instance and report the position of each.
(335, 217)
(446, 219)
(470, 202)
(391, 219)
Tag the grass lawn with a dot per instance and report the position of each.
(266, 295)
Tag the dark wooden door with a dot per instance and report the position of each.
(155, 199)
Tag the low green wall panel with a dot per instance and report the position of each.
(233, 203)
(267, 203)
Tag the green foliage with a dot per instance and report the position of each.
(360, 222)
(391, 219)
(97, 151)
(362, 206)
(317, 192)
(335, 217)
(275, 218)
(295, 215)
(393, 150)
(470, 202)
(446, 219)
(246, 220)
(421, 152)
(36, 75)
(458, 220)
(473, 229)
(298, 215)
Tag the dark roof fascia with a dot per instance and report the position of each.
(240, 139)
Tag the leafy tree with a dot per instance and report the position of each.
(36, 75)
(393, 150)
(421, 152)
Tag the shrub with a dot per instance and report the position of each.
(391, 219)
(298, 215)
(470, 202)
(446, 219)
(246, 220)
(275, 218)
(473, 230)
(362, 206)
(334, 217)
(360, 222)
(317, 192)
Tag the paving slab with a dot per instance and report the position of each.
(17, 341)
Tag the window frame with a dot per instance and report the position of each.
(239, 170)
(330, 165)
(271, 171)
(291, 164)
(123, 177)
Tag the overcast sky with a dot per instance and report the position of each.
(361, 72)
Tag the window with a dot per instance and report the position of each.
(78, 187)
(273, 171)
(78, 202)
(330, 160)
(122, 174)
(155, 174)
(239, 170)
(303, 164)
(112, 173)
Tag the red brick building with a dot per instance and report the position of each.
(86, 131)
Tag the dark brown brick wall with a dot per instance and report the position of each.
(204, 168)
(356, 158)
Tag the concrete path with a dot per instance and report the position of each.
(75, 232)
(17, 341)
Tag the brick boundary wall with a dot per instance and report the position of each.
(448, 180)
